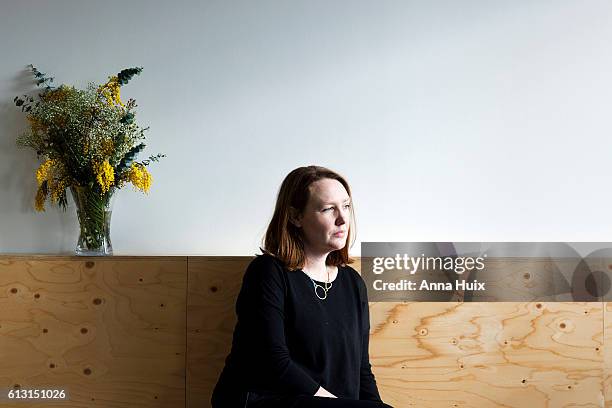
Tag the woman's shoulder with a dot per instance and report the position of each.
(264, 267)
(356, 278)
(352, 272)
(266, 260)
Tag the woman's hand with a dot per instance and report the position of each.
(322, 392)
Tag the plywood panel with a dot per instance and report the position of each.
(214, 283)
(111, 330)
(488, 354)
(121, 331)
(607, 353)
(485, 354)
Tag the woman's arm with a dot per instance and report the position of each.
(264, 313)
(367, 389)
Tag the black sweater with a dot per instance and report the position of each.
(288, 341)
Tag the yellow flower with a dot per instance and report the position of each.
(57, 94)
(105, 175)
(111, 91)
(52, 172)
(45, 171)
(35, 124)
(41, 196)
(140, 177)
(56, 187)
(107, 147)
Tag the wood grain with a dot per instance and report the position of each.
(424, 354)
(488, 354)
(607, 353)
(111, 331)
(214, 283)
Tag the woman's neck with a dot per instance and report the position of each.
(316, 268)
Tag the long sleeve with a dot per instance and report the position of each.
(367, 388)
(265, 311)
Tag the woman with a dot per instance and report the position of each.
(302, 334)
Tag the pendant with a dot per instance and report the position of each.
(325, 289)
(317, 293)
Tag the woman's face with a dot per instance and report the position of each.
(327, 213)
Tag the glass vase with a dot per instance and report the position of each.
(94, 211)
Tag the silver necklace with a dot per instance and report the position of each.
(325, 288)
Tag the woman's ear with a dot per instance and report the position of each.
(294, 217)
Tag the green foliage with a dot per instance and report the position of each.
(129, 157)
(127, 74)
(78, 129)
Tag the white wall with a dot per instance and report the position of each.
(453, 121)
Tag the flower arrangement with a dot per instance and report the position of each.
(85, 138)
(87, 141)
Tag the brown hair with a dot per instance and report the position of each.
(283, 239)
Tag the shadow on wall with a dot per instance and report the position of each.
(22, 228)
